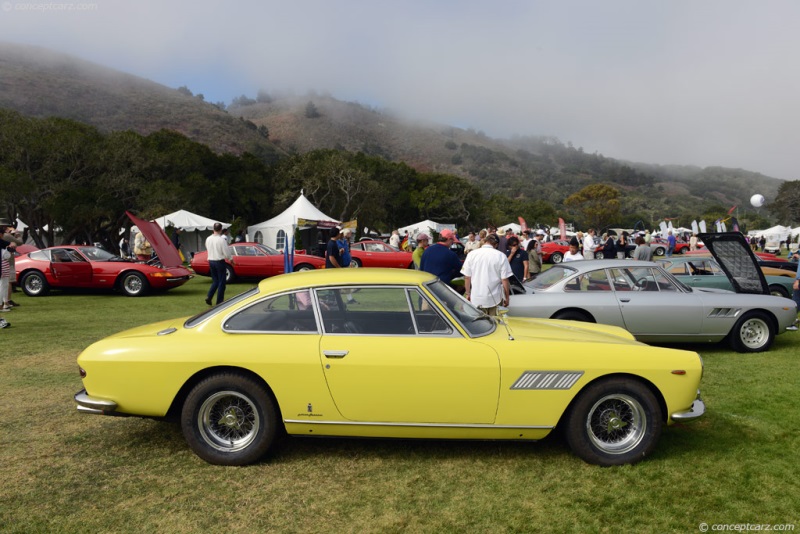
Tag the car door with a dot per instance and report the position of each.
(69, 268)
(252, 261)
(381, 367)
(652, 305)
(592, 291)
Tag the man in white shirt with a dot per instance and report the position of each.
(218, 251)
(589, 247)
(486, 271)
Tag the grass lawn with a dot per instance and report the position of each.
(67, 472)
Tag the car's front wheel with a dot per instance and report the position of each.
(300, 267)
(34, 284)
(659, 251)
(229, 419)
(556, 257)
(779, 291)
(614, 421)
(133, 284)
(355, 263)
(230, 274)
(753, 332)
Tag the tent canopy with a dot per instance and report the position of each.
(426, 226)
(302, 214)
(201, 227)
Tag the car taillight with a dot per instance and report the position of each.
(82, 372)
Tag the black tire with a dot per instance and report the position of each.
(556, 257)
(229, 419)
(598, 255)
(753, 332)
(34, 284)
(779, 291)
(300, 267)
(230, 274)
(355, 263)
(615, 421)
(411, 265)
(573, 315)
(133, 284)
(659, 251)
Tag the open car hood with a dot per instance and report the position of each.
(167, 253)
(736, 259)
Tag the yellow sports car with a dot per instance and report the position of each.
(387, 353)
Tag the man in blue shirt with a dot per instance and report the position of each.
(671, 242)
(438, 259)
(796, 286)
(333, 255)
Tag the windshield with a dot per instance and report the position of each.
(550, 277)
(472, 319)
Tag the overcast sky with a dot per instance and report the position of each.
(695, 82)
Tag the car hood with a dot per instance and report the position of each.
(541, 329)
(737, 261)
(167, 253)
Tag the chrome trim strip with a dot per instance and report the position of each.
(419, 425)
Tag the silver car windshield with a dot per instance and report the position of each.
(550, 277)
(474, 321)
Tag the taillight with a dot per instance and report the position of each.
(82, 372)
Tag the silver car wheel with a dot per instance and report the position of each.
(616, 424)
(754, 333)
(228, 421)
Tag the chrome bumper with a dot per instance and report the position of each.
(692, 414)
(93, 405)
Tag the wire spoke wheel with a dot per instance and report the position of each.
(616, 424)
(228, 421)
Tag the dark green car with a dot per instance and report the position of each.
(704, 271)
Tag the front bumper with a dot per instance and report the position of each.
(94, 405)
(694, 413)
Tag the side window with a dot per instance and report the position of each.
(621, 280)
(374, 247)
(74, 256)
(60, 256)
(644, 279)
(290, 313)
(591, 281)
(365, 310)
(426, 316)
(664, 283)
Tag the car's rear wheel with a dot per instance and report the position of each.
(556, 257)
(614, 422)
(229, 419)
(230, 274)
(303, 267)
(355, 263)
(659, 251)
(753, 332)
(34, 284)
(573, 315)
(133, 284)
(778, 291)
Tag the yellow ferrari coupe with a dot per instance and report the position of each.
(392, 354)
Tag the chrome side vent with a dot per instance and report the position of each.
(718, 313)
(547, 380)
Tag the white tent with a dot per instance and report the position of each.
(516, 228)
(776, 233)
(196, 229)
(301, 215)
(426, 226)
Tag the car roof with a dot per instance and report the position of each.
(325, 277)
(591, 265)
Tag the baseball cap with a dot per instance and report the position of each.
(447, 234)
(423, 236)
(540, 232)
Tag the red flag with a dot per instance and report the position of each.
(523, 227)
(730, 211)
(562, 227)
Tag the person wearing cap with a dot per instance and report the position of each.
(423, 240)
(333, 256)
(486, 273)
(438, 259)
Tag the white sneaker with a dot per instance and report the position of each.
(4, 323)
(6, 308)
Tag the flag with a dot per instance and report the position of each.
(735, 224)
(695, 228)
(523, 227)
(730, 211)
(562, 227)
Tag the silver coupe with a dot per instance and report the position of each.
(654, 306)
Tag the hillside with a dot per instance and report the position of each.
(523, 167)
(41, 83)
(38, 82)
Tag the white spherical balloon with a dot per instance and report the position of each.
(757, 201)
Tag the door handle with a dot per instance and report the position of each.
(624, 300)
(335, 353)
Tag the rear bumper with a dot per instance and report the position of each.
(694, 413)
(94, 405)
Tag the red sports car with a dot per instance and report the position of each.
(76, 266)
(553, 251)
(254, 260)
(379, 254)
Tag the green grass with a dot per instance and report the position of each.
(67, 472)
